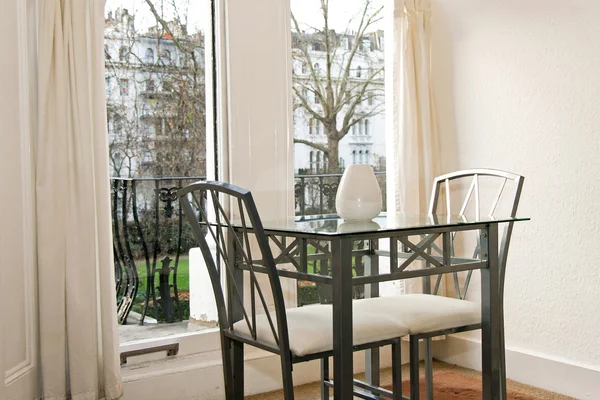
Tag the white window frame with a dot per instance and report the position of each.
(258, 119)
(256, 125)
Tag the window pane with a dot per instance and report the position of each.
(346, 119)
(154, 55)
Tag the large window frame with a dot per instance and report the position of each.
(252, 147)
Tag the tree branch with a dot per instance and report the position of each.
(317, 146)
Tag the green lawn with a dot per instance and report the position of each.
(183, 275)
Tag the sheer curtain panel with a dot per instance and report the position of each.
(416, 158)
(78, 336)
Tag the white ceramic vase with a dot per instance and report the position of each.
(358, 196)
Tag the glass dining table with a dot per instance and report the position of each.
(403, 240)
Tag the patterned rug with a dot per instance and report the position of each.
(451, 385)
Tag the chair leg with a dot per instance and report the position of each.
(397, 369)
(428, 369)
(226, 355)
(286, 375)
(324, 378)
(237, 355)
(414, 368)
(503, 395)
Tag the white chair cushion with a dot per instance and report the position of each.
(423, 313)
(310, 328)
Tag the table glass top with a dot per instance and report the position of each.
(334, 225)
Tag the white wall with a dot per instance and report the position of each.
(517, 87)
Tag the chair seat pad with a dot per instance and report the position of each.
(423, 313)
(310, 328)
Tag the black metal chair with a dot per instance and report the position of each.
(428, 315)
(296, 334)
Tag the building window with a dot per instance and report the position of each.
(366, 126)
(370, 98)
(317, 68)
(123, 54)
(358, 71)
(318, 162)
(304, 68)
(311, 127)
(354, 129)
(360, 127)
(342, 163)
(149, 56)
(311, 161)
(360, 157)
(124, 84)
(305, 94)
(317, 127)
(317, 100)
(366, 156)
(166, 56)
(150, 87)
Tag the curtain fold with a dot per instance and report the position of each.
(415, 140)
(78, 327)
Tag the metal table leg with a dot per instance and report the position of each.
(490, 316)
(341, 263)
(372, 359)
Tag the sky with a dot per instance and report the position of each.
(306, 11)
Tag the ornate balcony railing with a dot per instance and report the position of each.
(151, 241)
(315, 194)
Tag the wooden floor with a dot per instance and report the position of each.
(311, 391)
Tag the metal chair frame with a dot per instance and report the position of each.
(234, 253)
(474, 189)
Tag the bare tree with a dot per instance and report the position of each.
(158, 120)
(342, 94)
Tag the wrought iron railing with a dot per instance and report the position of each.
(151, 241)
(315, 194)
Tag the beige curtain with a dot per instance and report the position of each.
(78, 336)
(416, 158)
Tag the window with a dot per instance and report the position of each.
(342, 163)
(304, 68)
(156, 137)
(360, 157)
(149, 56)
(366, 156)
(150, 87)
(123, 54)
(318, 162)
(166, 56)
(311, 160)
(124, 85)
(305, 94)
(308, 34)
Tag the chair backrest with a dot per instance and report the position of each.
(208, 206)
(507, 189)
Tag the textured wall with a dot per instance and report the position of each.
(518, 88)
